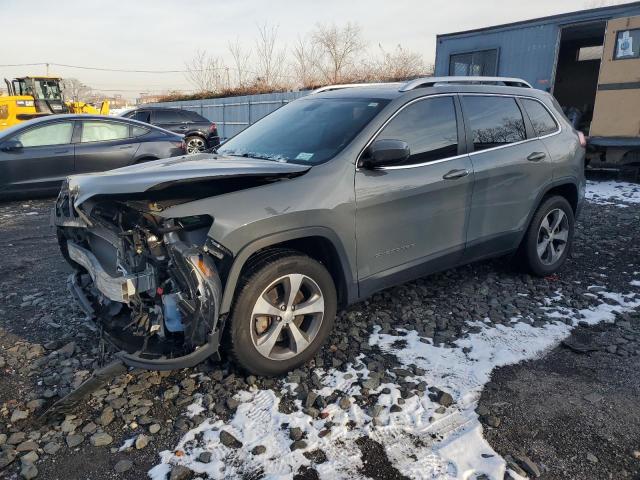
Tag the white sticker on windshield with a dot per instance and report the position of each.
(373, 104)
(304, 156)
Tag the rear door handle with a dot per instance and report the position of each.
(536, 156)
(454, 174)
(61, 151)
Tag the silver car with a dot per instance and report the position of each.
(335, 196)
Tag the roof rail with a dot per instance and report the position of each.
(329, 88)
(435, 81)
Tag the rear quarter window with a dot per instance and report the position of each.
(137, 131)
(541, 120)
(194, 117)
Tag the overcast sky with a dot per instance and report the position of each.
(163, 34)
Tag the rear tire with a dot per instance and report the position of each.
(195, 144)
(548, 240)
(267, 335)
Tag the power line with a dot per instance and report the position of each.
(99, 69)
(124, 70)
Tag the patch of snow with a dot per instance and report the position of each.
(450, 443)
(195, 408)
(128, 443)
(635, 283)
(612, 193)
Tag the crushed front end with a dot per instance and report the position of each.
(150, 283)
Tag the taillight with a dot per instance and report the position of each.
(213, 127)
(583, 140)
(183, 146)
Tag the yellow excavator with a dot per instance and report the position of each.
(33, 97)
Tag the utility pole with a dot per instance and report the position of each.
(47, 69)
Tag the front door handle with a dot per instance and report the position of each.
(536, 156)
(454, 174)
(126, 147)
(61, 151)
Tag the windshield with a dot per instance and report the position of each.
(47, 90)
(308, 131)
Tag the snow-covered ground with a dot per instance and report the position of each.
(423, 440)
(613, 193)
(450, 446)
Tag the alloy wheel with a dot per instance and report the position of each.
(553, 235)
(195, 145)
(287, 316)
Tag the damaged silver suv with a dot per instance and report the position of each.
(337, 195)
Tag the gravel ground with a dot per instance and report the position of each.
(547, 418)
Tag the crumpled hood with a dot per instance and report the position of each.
(150, 175)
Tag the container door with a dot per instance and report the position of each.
(618, 97)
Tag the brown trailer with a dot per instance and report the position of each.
(614, 135)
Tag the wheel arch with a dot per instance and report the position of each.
(566, 188)
(195, 133)
(319, 243)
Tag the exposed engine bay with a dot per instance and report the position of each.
(150, 284)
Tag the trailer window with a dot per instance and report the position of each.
(586, 54)
(627, 44)
(542, 121)
(480, 63)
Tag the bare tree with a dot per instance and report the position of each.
(73, 89)
(241, 59)
(340, 48)
(205, 72)
(602, 3)
(270, 59)
(306, 59)
(401, 64)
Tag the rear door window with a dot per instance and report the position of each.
(542, 121)
(167, 116)
(58, 133)
(494, 121)
(97, 131)
(429, 127)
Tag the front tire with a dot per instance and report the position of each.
(283, 313)
(548, 240)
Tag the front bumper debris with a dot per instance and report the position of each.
(119, 289)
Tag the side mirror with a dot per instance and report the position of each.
(382, 153)
(11, 146)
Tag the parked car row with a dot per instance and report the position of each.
(36, 156)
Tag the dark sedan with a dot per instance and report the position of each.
(35, 156)
(199, 133)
